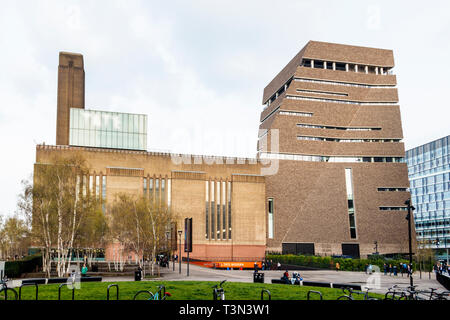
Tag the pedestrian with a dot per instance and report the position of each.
(395, 270)
(385, 268)
(338, 266)
(84, 270)
(285, 277)
(256, 267)
(390, 269)
(263, 265)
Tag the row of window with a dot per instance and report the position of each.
(425, 181)
(280, 91)
(107, 121)
(426, 167)
(434, 233)
(393, 189)
(360, 103)
(341, 66)
(433, 206)
(218, 210)
(432, 197)
(93, 185)
(426, 215)
(432, 224)
(341, 83)
(394, 208)
(158, 189)
(323, 92)
(107, 139)
(296, 113)
(309, 138)
(301, 157)
(430, 150)
(431, 171)
(285, 86)
(316, 126)
(439, 188)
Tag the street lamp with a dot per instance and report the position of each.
(179, 252)
(408, 217)
(169, 250)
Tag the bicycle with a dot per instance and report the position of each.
(218, 291)
(161, 294)
(351, 292)
(4, 288)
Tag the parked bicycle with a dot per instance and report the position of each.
(5, 292)
(411, 293)
(218, 291)
(351, 292)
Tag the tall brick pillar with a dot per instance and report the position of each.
(70, 92)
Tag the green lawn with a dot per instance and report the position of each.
(182, 290)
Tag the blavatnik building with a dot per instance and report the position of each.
(342, 179)
(329, 177)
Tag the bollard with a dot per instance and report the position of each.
(59, 291)
(28, 284)
(6, 292)
(315, 292)
(117, 291)
(268, 294)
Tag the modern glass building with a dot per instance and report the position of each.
(102, 129)
(429, 176)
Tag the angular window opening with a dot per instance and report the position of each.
(318, 64)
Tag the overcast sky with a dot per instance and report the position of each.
(198, 68)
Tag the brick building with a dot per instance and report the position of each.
(329, 176)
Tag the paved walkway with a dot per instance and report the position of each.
(197, 273)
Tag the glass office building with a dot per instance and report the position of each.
(429, 176)
(102, 129)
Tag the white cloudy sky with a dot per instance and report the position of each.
(198, 68)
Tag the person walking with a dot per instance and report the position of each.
(84, 270)
(338, 266)
(385, 269)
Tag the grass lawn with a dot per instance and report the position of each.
(182, 290)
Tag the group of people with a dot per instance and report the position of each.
(296, 278)
(441, 268)
(268, 265)
(394, 269)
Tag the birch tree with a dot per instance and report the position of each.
(59, 206)
(139, 225)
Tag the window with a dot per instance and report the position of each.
(207, 209)
(318, 64)
(350, 202)
(213, 234)
(340, 66)
(270, 218)
(218, 200)
(229, 210)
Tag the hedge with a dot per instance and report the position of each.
(13, 269)
(346, 264)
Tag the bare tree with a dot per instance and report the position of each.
(14, 238)
(57, 207)
(139, 225)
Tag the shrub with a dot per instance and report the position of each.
(346, 264)
(13, 269)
